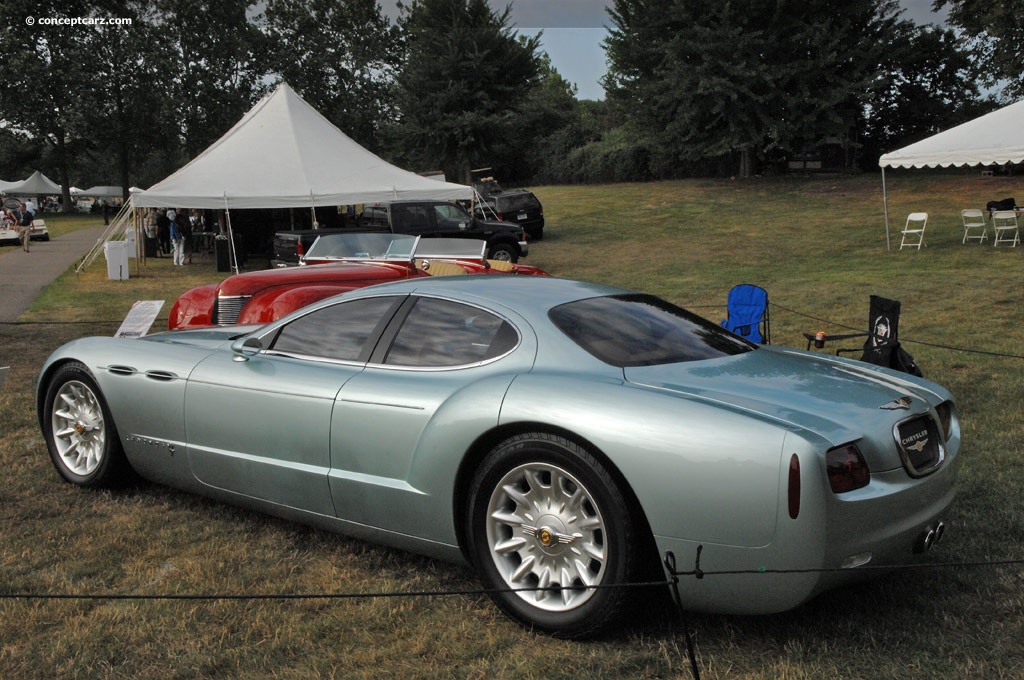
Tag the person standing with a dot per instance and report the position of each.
(25, 227)
(163, 233)
(177, 243)
(151, 244)
(185, 229)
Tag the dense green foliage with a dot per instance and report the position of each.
(706, 79)
(995, 31)
(462, 83)
(740, 85)
(694, 87)
(339, 57)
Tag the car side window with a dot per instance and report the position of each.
(339, 332)
(439, 333)
(410, 219)
(375, 217)
(450, 216)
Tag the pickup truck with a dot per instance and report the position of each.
(442, 219)
(290, 246)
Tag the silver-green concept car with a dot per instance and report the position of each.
(560, 436)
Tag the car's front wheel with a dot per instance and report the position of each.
(552, 536)
(506, 252)
(80, 434)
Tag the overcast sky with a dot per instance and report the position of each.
(573, 31)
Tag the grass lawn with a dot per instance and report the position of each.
(816, 244)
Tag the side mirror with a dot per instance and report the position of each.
(246, 347)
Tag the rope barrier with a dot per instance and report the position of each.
(902, 340)
(669, 562)
(315, 596)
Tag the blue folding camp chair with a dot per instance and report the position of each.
(748, 313)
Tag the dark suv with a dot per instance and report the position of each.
(505, 241)
(519, 206)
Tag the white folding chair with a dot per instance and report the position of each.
(973, 221)
(916, 222)
(1004, 228)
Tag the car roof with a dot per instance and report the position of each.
(520, 293)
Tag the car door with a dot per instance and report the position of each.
(401, 426)
(259, 425)
(452, 221)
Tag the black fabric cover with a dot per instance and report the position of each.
(882, 347)
(1005, 204)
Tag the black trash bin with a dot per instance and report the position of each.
(150, 246)
(222, 251)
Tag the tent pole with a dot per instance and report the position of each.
(231, 234)
(139, 252)
(885, 203)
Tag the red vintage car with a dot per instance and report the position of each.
(336, 263)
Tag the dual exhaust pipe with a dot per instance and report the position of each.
(929, 537)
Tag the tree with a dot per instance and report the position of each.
(700, 80)
(926, 86)
(464, 82)
(126, 110)
(559, 124)
(218, 65)
(339, 57)
(44, 72)
(996, 30)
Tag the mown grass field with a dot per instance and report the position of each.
(816, 244)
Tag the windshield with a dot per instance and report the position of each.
(395, 247)
(642, 330)
(362, 247)
(462, 248)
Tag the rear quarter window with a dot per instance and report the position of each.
(642, 330)
(516, 202)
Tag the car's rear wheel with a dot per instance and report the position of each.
(551, 535)
(80, 434)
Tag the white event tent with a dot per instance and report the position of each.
(36, 184)
(284, 154)
(101, 191)
(993, 139)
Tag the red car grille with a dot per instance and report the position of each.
(227, 309)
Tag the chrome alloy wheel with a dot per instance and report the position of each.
(545, 531)
(79, 433)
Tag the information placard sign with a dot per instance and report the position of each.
(140, 318)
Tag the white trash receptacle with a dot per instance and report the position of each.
(116, 253)
(130, 241)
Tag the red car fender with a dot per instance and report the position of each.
(270, 305)
(193, 308)
(528, 270)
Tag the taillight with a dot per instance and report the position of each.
(300, 250)
(794, 486)
(945, 411)
(846, 469)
